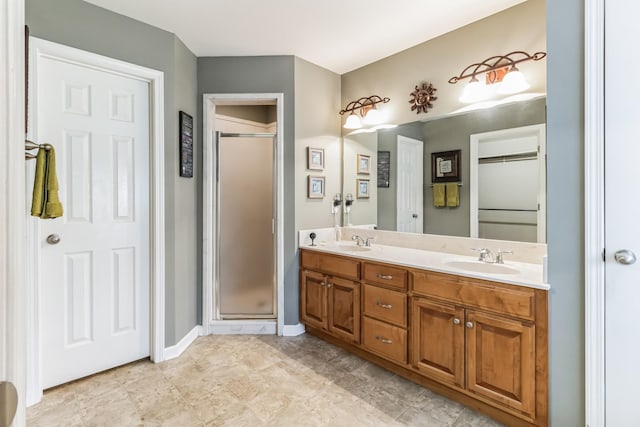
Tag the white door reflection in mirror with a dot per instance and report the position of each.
(508, 181)
(410, 182)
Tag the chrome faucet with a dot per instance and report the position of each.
(359, 240)
(499, 259)
(487, 256)
(368, 241)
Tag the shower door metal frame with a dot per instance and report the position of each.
(216, 280)
(209, 322)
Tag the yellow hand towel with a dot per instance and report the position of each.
(38, 183)
(438, 195)
(46, 202)
(453, 195)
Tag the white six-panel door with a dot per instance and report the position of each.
(95, 281)
(622, 212)
(410, 196)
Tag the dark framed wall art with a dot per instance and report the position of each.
(384, 168)
(186, 145)
(445, 166)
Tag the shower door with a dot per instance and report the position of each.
(246, 278)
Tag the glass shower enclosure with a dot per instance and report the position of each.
(245, 282)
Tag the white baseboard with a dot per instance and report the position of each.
(293, 330)
(242, 327)
(176, 350)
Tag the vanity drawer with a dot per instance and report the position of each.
(502, 299)
(336, 266)
(385, 275)
(386, 340)
(385, 304)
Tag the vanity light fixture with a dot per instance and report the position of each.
(364, 107)
(500, 69)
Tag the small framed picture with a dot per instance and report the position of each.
(186, 144)
(315, 158)
(364, 164)
(363, 188)
(384, 168)
(315, 187)
(445, 166)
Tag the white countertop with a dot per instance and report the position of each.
(515, 273)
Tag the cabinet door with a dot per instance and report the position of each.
(501, 360)
(344, 309)
(313, 299)
(437, 345)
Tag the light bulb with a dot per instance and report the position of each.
(353, 122)
(474, 91)
(513, 82)
(373, 117)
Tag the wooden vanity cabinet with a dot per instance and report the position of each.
(384, 309)
(438, 341)
(330, 302)
(458, 339)
(479, 342)
(501, 362)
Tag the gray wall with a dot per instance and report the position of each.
(519, 28)
(84, 26)
(262, 74)
(317, 124)
(565, 209)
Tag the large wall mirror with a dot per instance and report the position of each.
(501, 187)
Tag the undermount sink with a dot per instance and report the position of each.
(482, 267)
(353, 248)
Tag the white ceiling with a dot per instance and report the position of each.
(336, 34)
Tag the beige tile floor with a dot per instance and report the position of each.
(251, 381)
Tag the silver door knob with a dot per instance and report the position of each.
(469, 325)
(53, 239)
(456, 321)
(625, 257)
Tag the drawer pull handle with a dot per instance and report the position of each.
(384, 277)
(456, 321)
(383, 340)
(387, 306)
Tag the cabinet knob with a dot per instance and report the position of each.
(387, 306)
(323, 284)
(456, 321)
(383, 340)
(328, 285)
(469, 325)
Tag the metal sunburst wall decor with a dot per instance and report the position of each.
(422, 98)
